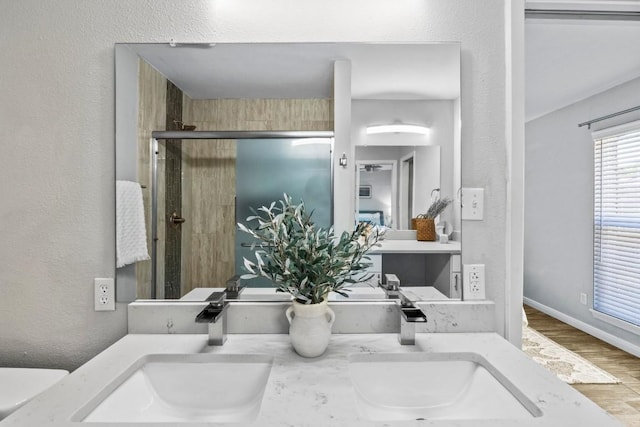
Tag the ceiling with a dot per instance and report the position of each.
(570, 60)
(305, 70)
(565, 61)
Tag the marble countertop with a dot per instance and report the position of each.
(359, 292)
(317, 392)
(400, 246)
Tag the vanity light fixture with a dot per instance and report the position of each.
(397, 128)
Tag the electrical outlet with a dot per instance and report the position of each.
(473, 282)
(583, 298)
(104, 294)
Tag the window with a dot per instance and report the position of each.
(616, 275)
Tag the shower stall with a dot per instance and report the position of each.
(205, 182)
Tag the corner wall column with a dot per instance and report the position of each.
(344, 178)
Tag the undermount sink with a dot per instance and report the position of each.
(410, 386)
(184, 388)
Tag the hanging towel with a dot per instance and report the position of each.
(131, 235)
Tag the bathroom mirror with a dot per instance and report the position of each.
(276, 100)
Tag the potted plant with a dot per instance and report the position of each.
(307, 262)
(425, 223)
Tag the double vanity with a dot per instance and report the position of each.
(363, 379)
(455, 372)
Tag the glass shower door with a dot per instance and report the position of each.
(204, 187)
(268, 168)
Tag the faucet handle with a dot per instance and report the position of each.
(216, 297)
(392, 281)
(234, 287)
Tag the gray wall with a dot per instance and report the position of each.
(558, 251)
(57, 130)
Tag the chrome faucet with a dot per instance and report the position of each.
(215, 314)
(409, 313)
(409, 316)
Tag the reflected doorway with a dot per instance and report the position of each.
(406, 190)
(377, 192)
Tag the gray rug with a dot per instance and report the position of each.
(567, 365)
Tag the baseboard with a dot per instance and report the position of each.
(585, 327)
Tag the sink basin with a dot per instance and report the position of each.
(410, 386)
(184, 388)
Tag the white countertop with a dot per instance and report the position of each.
(269, 294)
(317, 392)
(416, 247)
(423, 293)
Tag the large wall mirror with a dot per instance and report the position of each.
(268, 110)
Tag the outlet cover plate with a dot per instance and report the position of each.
(473, 204)
(583, 298)
(473, 282)
(104, 294)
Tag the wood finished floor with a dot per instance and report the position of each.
(620, 400)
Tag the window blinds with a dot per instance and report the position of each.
(616, 276)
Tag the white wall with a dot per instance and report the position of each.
(558, 240)
(456, 214)
(430, 172)
(57, 133)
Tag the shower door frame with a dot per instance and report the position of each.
(164, 135)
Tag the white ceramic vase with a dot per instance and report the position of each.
(310, 327)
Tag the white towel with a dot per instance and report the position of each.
(131, 235)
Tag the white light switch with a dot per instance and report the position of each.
(473, 203)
